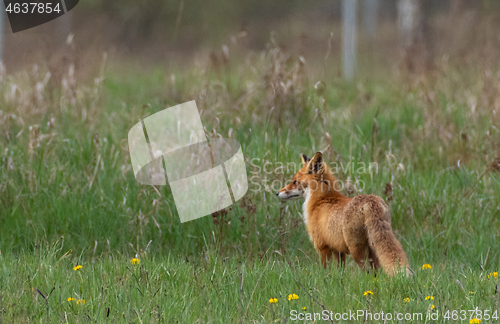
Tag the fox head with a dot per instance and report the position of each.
(313, 176)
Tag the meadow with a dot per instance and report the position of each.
(81, 241)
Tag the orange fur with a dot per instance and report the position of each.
(339, 225)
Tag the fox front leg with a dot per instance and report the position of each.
(340, 259)
(326, 256)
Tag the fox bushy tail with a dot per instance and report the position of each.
(386, 247)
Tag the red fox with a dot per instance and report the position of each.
(339, 225)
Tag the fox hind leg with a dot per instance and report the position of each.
(374, 261)
(359, 255)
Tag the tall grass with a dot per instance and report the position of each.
(66, 177)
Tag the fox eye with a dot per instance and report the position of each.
(295, 182)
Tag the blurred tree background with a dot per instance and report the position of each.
(152, 31)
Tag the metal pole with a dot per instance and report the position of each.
(349, 38)
(407, 10)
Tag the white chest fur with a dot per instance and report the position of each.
(307, 195)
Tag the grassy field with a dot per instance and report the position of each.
(68, 196)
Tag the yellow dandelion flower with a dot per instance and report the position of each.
(273, 300)
(80, 301)
(303, 308)
(408, 299)
(493, 275)
(426, 266)
(135, 261)
(292, 296)
(70, 299)
(367, 293)
(429, 298)
(78, 267)
(471, 293)
(474, 321)
(432, 306)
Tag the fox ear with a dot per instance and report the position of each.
(316, 165)
(305, 159)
